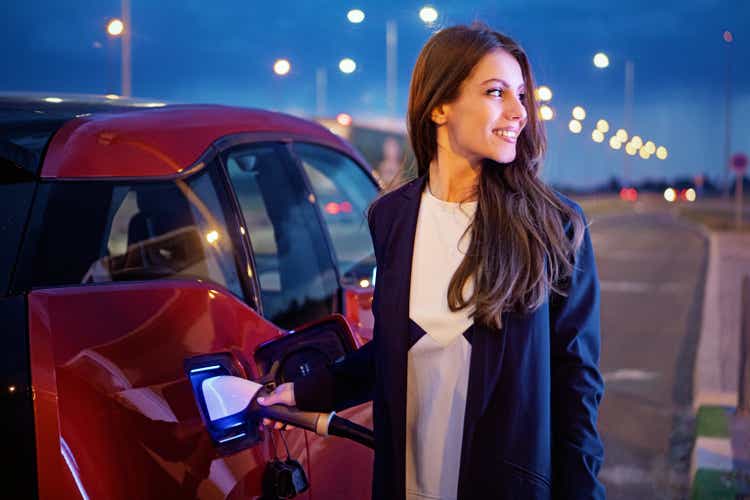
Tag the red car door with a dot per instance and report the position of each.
(130, 279)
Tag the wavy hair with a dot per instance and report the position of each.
(519, 250)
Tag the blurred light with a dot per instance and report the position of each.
(242, 230)
(628, 194)
(601, 60)
(347, 65)
(728, 37)
(650, 147)
(602, 126)
(643, 153)
(344, 119)
(690, 195)
(11, 388)
(311, 198)
(631, 149)
(281, 67)
(544, 93)
(575, 126)
(428, 14)
(115, 27)
(597, 136)
(670, 195)
(53, 99)
(546, 112)
(345, 207)
(579, 113)
(661, 153)
(112, 96)
(364, 283)
(622, 135)
(332, 207)
(212, 294)
(152, 105)
(355, 16)
(212, 236)
(614, 142)
(637, 141)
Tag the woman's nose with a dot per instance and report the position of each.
(514, 109)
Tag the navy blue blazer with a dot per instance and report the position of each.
(534, 388)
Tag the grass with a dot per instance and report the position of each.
(712, 421)
(714, 485)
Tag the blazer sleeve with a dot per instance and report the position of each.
(347, 382)
(577, 384)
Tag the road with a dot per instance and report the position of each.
(652, 269)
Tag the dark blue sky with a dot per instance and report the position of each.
(223, 52)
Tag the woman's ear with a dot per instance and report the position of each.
(439, 114)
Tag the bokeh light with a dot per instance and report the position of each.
(601, 60)
(355, 16)
(428, 14)
(546, 112)
(347, 65)
(115, 27)
(544, 93)
(282, 67)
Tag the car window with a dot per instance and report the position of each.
(97, 232)
(293, 264)
(343, 192)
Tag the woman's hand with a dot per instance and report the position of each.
(283, 394)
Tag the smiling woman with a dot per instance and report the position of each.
(483, 367)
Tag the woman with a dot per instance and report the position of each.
(483, 369)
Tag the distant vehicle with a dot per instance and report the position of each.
(137, 237)
(629, 194)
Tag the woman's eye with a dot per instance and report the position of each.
(495, 92)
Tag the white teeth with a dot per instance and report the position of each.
(507, 133)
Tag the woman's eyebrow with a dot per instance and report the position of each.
(501, 81)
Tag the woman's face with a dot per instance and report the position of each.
(489, 113)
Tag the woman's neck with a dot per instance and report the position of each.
(453, 178)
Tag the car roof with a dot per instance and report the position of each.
(97, 137)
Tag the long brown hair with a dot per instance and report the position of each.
(519, 249)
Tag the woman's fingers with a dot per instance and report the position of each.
(283, 394)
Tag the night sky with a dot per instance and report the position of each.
(223, 52)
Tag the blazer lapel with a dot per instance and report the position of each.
(396, 282)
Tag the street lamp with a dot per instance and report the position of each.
(122, 28)
(601, 60)
(355, 16)
(282, 67)
(428, 14)
(347, 65)
(115, 27)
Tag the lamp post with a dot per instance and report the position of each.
(602, 61)
(120, 28)
(728, 39)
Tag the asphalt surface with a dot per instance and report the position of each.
(652, 270)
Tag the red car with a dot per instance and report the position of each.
(136, 239)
